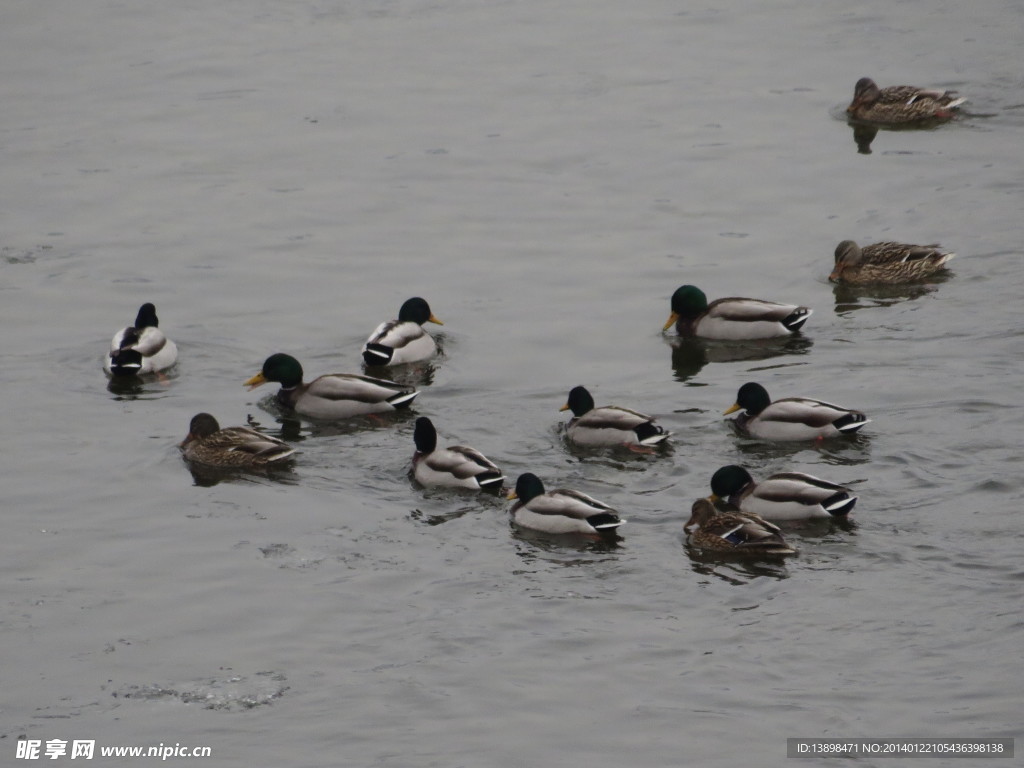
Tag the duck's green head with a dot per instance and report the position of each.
(752, 397)
(688, 302)
(281, 368)
(729, 480)
(528, 487)
(147, 317)
(416, 310)
(580, 401)
(424, 435)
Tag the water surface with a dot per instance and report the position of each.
(281, 177)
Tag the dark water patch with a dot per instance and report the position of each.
(845, 450)
(23, 255)
(690, 356)
(850, 298)
(735, 571)
(207, 477)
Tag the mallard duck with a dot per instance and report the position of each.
(900, 104)
(887, 262)
(560, 510)
(609, 424)
(456, 466)
(783, 496)
(332, 396)
(733, 532)
(791, 418)
(732, 318)
(403, 340)
(140, 348)
(206, 443)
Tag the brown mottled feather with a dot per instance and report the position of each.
(231, 447)
(734, 532)
(887, 262)
(900, 104)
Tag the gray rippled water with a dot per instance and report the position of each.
(280, 177)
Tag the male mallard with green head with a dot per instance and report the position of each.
(140, 348)
(609, 425)
(561, 510)
(400, 341)
(791, 418)
(332, 396)
(456, 466)
(732, 318)
(783, 496)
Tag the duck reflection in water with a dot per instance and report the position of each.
(689, 356)
(851, 297)
(863, 135)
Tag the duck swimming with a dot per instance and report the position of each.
(141, 348)
(900, 104)
(782, 496)
(561, 510)
(231, 447)
(733, 532)
(400, 341)
(456, 466)
(887, 263)
(332, 396)
(733, 318)
(609, 425)
(791, 418)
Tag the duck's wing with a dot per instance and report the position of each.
(460, 461)
(744, 532)
(612, 417)
(395, 334)
(802, 410)
(796, 486)
(577, 505)
(364, 389)
(246, 440)
(738, 309)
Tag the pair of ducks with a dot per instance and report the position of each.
(744, 319)
(744, 528)
(142, 348)
(790, 418)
